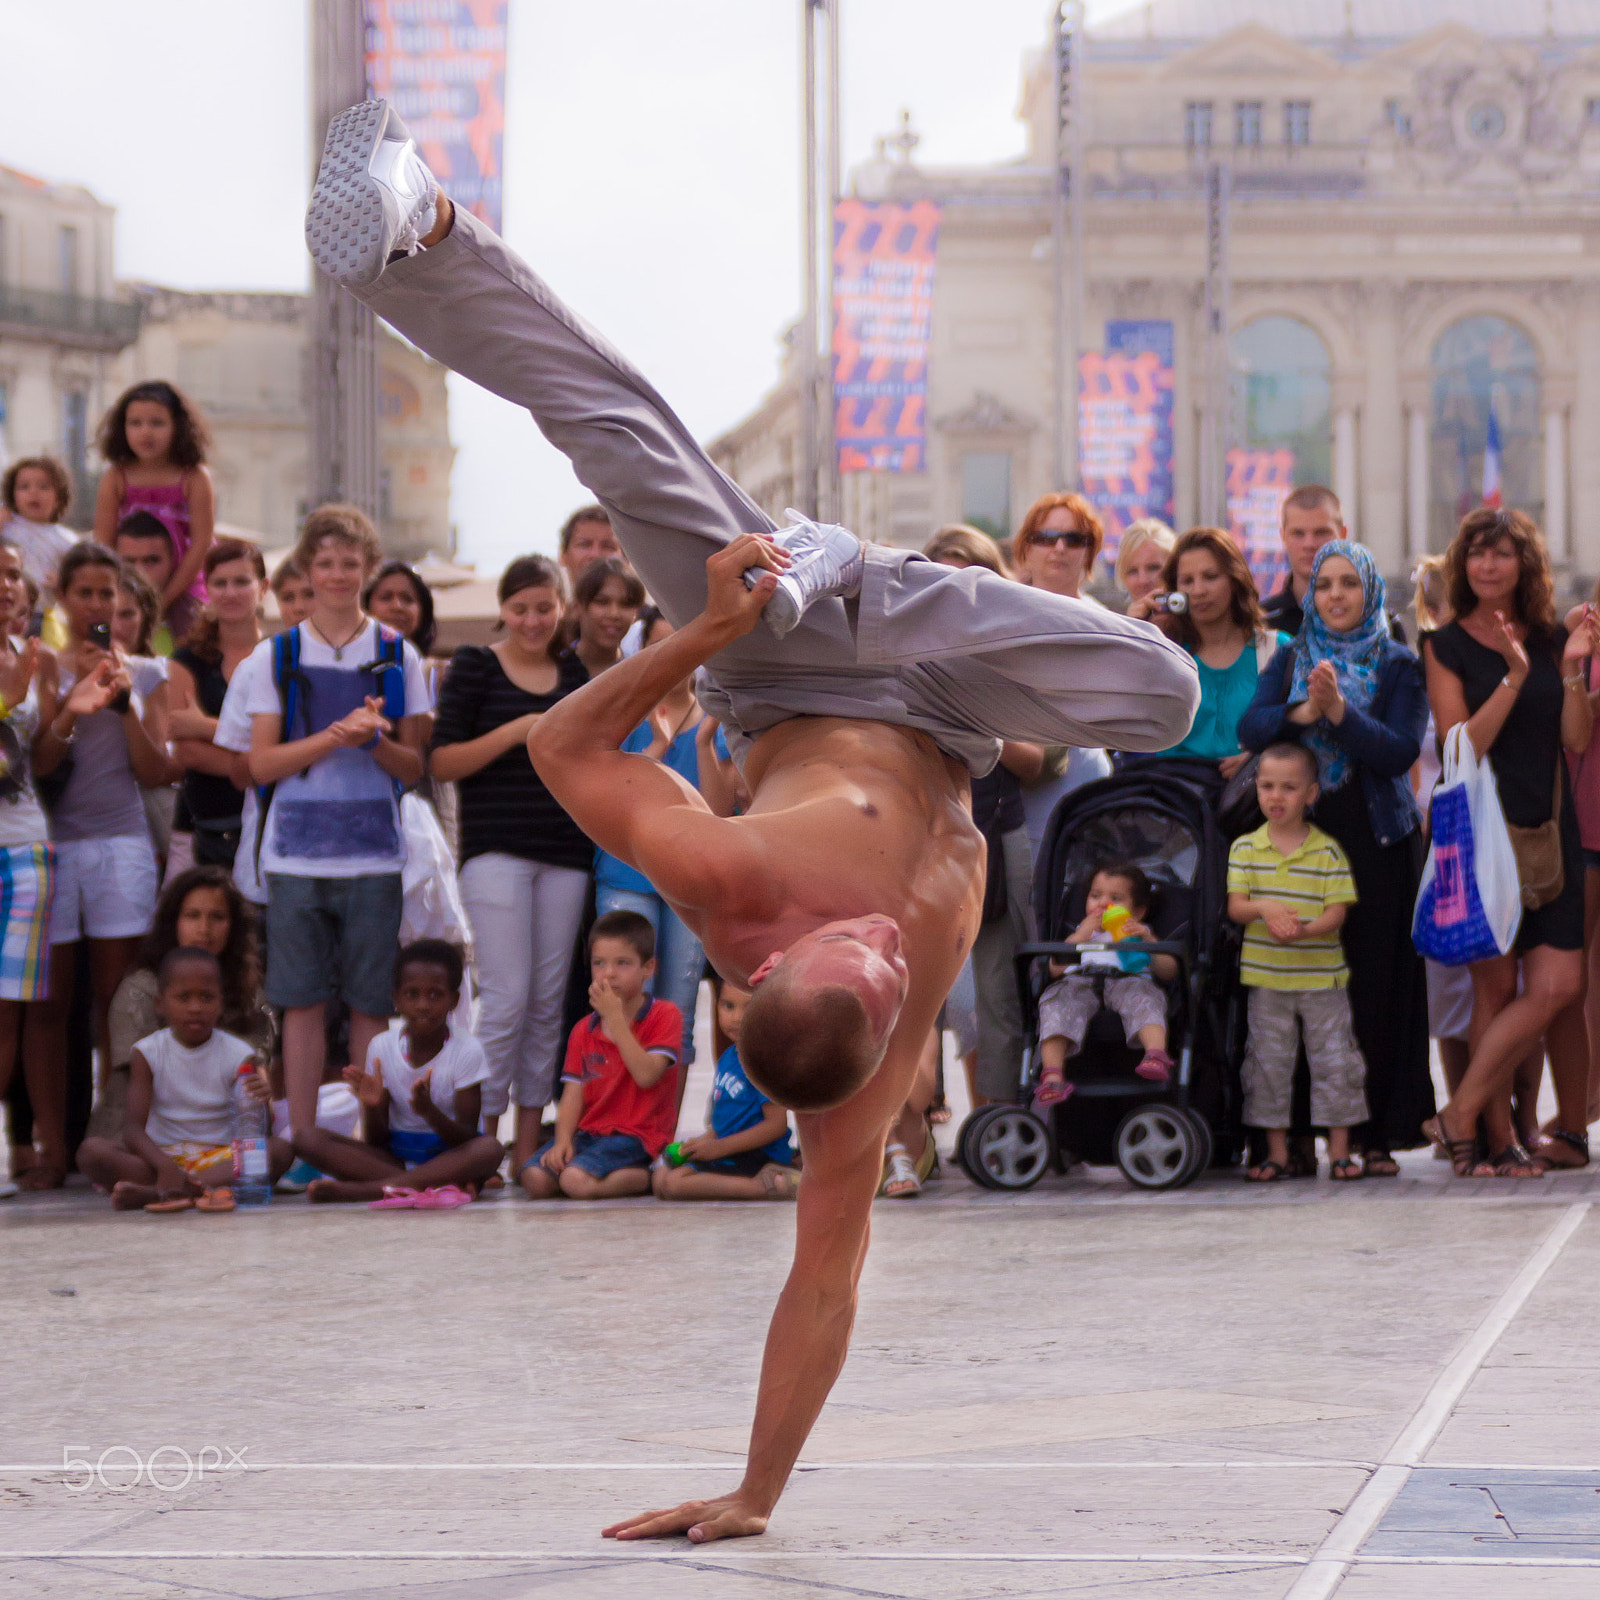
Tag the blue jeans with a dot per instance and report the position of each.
(680, 960)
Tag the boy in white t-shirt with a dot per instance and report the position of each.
(421, 1095)
(331, 849)
(175, 1144)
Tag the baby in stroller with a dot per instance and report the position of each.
(1125, 980)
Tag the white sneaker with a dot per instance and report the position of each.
(827, 561)
(373, 196)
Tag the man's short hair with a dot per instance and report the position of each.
(1292, 752)
(593, 513)
(1308, 497)
(348, 525)
(807, 1050)
(1139, 890)
(142, 525)
(174, 961)
(431, 953)
(629, 926)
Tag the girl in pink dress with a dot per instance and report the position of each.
(155, 441)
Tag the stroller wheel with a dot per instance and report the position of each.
(963, 1144)
(1207, 1146)
(1158, 1147)
(1009, 1148)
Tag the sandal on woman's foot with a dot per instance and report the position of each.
(901, 1182)
(1515, 1162)
(1345, 1169)
(1462, 1154)
(1053, 1089)
(1561, 1149)
(1267, 1172)
(1379, 1164)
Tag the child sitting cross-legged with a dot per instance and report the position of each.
(175, 1149)
(421, 1097)
(619, 1086)
(747, 1154)
(1131, 989)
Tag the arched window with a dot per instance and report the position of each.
(1283, 394)
(1481, 365)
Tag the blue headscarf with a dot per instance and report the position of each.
(1357, 656)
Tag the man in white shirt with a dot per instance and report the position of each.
(332, 848)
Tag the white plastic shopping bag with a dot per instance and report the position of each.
(1470, 904)
(431, 907)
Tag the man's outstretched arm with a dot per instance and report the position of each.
(637, 809)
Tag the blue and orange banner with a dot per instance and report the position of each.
(442, 65)
(1258, 483)
(883, 258)
(1125, 426)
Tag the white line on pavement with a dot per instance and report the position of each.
(1326, 1569)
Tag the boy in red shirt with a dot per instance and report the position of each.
(619, 1096)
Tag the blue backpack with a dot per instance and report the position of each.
(294, 693)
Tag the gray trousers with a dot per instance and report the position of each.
(998, 1073)
(965, 656)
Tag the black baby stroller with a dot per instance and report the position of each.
(1164, 818)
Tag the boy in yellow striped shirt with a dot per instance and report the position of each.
(1289, 884)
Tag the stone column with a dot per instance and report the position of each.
(1345, 465)
(1380, 468)
(1555, 486)
(1416, 482)
(1584, 507)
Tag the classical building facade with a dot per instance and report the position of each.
(1414, 243)
(63, 324)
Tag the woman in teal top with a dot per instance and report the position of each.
(1224, 631)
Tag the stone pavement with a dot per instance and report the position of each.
(1384, 1390)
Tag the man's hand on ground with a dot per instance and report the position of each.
(730, 607)
(703, 1520)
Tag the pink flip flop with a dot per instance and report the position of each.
(448, 1197)
(395, 1199)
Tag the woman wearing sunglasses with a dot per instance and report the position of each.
(1055, 550)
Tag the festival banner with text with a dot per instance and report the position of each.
(883, 258)
(1258, 483)
(442, 65)
(1125, 426)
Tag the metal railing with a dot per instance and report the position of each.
(72, 317)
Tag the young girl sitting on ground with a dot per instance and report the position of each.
(175, 1150)
(1068, 1005)
(747, 1154)
(421, 1097)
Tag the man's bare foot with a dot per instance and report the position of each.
(703, 1521)
(127, 1196)
(330, 1191)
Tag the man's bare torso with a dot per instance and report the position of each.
(856, 817)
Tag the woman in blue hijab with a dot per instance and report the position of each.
(1355, 698)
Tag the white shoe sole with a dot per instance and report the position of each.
(347, 232)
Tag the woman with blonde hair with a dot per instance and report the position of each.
(1141, 560)
(958, 544)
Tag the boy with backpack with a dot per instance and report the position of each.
(337, 708)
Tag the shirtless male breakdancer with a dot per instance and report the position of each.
(858, 684)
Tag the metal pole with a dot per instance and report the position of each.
(1214, 429)
(343, 458)
(806, 486)
(1066, 237)
(830, 495)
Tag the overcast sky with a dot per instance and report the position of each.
(652, 172)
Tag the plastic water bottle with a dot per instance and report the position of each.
(249, 1124)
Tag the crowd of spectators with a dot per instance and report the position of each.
(204, 831)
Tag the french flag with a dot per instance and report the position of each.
(1491, 462)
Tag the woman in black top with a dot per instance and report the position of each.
(524, 862)
(1509, 670)
(211, 796)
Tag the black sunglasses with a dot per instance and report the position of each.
(1073, 540)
